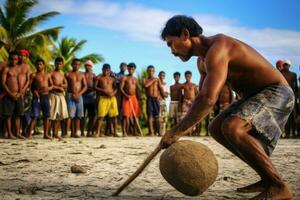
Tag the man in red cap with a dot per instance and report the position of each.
(279, 65)
(25, 82)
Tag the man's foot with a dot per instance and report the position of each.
(255, 187)
(89, 135)
(66, 136)
(125, 135)
(11, 137)
(30, 137)
(47, 137)
(21, 137)
(76, 136)
(275, 193)
(58, 137)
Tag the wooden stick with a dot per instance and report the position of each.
(138, 171)
(135, 118)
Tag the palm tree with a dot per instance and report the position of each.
(18, 30)
(67, 48)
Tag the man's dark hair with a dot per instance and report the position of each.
(12, 53)
(150, 66)
(75, 60)
(106, 66)
(176, 74)
(161, 72)
(121, 64)
(131, 65)
(176, 24)
(188, 72)
(39, 60)
(58, 59)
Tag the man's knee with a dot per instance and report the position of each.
(232, 129)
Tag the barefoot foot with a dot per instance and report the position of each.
(255, 187)
(275, 192)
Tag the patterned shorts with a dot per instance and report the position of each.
(267, 111)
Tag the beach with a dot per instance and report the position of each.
(41, 169)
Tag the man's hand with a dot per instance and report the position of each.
(168, 139)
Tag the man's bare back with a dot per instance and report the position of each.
(245, 62)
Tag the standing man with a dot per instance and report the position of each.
(2, 94)
(89, 98)
(130, 106)
(41, 85)
(153, 91)
(12, 102)
(25, 79)
(176, 98)
(58, 108)
(163, 111)
(279, 65)
(291, 78)
(76, 87)
(105, 86)
(190, 91)
(245, 128)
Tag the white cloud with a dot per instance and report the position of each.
(144, 24)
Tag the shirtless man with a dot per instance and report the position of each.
(153, 91)
(176, 98)
(25, 80)
(244, 129)
(163, 112)
(76, 87)
(279, 65)
(12, 102)
(89, 98)
(130, 105)
(190, 91)
(106, 87)
(58, 108)
(291, 78)
(2, 94)
(41, 85)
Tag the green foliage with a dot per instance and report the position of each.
(67, 48)
(18, 30)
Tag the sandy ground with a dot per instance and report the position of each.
(40, 169)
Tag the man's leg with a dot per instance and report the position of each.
(150, 126)
(114, 122)
(46, 128)
(8, 127)
(17, 127)
(215, 131)
(99, 126)
(31, 127)
(237, 133)
(76, 127)
(125, 126)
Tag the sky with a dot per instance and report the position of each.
(129, 30)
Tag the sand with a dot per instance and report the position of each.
(41, 169)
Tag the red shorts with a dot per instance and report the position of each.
(130, 107)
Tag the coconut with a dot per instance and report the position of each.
(190, 167)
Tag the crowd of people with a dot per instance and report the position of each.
(67, 100)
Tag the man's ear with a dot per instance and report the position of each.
(185, 34)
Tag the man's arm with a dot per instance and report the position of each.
(27, 83)
(5, 87)
(217, 66)
(122, 84)
(83, 85)
(148, 83)
(99, 89)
